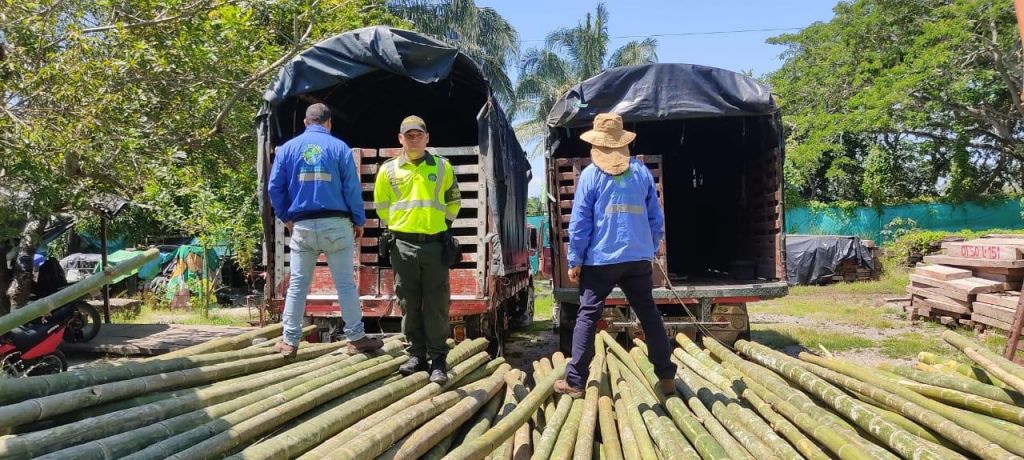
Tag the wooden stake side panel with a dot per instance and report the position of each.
(371, 278)
(762, 185)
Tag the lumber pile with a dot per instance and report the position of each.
(232, 400)
(971, 282)
(850, 271)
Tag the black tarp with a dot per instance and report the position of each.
(372, 78)
(658, 92)
(813, 259)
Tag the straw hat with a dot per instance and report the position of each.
(611, 143)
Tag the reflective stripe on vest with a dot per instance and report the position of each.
(436, 203)
(624, 208)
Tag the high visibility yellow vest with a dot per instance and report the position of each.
(415, 198)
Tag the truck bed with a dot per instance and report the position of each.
(695, 288)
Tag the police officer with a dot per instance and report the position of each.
(417, 197)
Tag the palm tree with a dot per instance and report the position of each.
(481, 33)
(569, 56)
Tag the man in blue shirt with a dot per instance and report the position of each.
(314, 189)
(614, 233)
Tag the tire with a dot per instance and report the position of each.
(85, 325)
(487, 326)
(53, 363)
(566, 324)
(523, 312)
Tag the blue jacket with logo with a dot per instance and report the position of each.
(313, 173)
(615, 219)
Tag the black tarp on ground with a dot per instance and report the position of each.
(813, 259)
(356, 69)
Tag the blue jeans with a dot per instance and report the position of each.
(333, 237)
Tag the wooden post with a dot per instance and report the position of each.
(1018, 322)
(103, 265)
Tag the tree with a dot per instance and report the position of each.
(569, 56)
(932, 84)
(151, 101)
(481, 33)
(535, 206)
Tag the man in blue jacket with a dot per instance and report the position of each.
(314, 189)
(614, 233)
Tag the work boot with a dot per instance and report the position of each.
(439, 370)
(413, 365)
(667, 386)
(288, 351)
(562, 387)
(365, 345)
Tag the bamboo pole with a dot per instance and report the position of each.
(477, 426)
(612, 448)
(64, 436)
(566, 443)
(48, 406)
(795, 396)
(686, 422)
(504, 451)
(218, 437)
(42, 307)
(223, 344)
(972, 402)
(973, 424)
(893, 436)
(346, 436)
(969, 440)
(636, 440)
(1010, 373)
(588, 418)
(735, 389)
(964, 370)
(433, 431)
(957, 383)
(477, 448)
(553, 427)
(664, 433)
(713, 424)
(833, 440)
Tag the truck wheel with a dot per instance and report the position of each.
(488, 326)
(522, 313)
(566, 324)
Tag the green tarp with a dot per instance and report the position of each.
(869, 223)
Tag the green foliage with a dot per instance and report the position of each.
(923, 94)
(481, 33)
(569, 56)
(152, 101)
(534, 206)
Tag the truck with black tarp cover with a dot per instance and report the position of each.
(372, 78)
(714, 143)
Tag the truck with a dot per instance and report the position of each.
(372, 78)
(713, 141)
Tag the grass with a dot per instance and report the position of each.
(833, 309)
(150, 314)
(908, 345)
(542, 307)
(779, 337)
(893, 281)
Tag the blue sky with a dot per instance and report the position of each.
(739, 51)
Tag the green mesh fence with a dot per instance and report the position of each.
(869, 223)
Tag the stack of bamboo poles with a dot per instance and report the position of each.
(229, 399)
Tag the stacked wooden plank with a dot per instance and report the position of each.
(850, 270)
(977, 280)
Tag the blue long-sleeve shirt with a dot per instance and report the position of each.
(615, 219)
(315, 173)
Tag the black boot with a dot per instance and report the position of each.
(413, 365)
(439, 370)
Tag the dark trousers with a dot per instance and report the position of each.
(421, 285)
(596, 282)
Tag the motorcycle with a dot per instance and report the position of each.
(32, 348)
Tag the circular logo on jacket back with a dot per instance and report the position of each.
(432, 177)
(312, 154)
